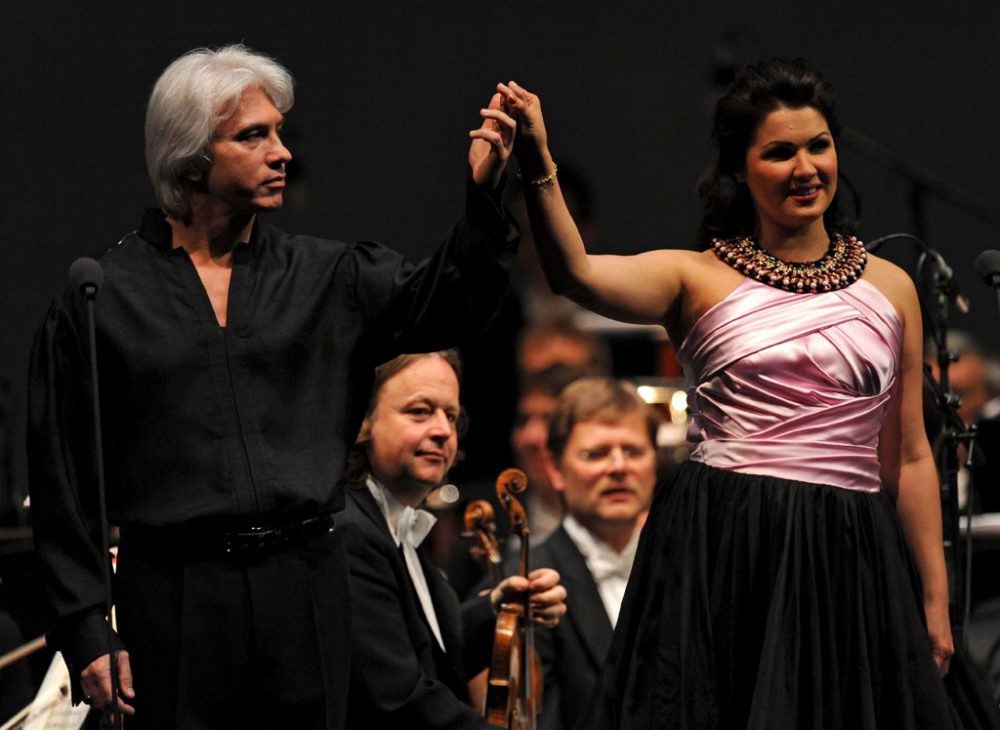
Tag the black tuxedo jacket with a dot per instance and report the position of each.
(399, 675)
(573, 652)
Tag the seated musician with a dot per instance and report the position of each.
(413, 645)
(601, 458)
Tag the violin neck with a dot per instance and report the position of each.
(496, 572)
(524, 562)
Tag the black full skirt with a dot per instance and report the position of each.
(766, 603)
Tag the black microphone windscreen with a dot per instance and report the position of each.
(85, 272)
(988, 266)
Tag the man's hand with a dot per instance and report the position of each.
(491, 144)
(95, 681)
(548, 598)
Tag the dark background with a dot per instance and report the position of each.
(387, 91)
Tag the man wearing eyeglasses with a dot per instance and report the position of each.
(602, 460)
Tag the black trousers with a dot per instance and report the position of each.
(221, 642)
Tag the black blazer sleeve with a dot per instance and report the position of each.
(452, 295)
(64, 505)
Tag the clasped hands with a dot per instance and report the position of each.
(511, 123)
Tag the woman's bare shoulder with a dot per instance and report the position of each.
(705, 281)
(696, 274)
(681, 260)
(894, 283)
(670, 255)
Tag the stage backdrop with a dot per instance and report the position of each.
(388, 90)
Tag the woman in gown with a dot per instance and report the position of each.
(774, 586)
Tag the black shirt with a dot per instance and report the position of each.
(247, 424)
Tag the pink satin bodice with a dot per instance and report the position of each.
(794, 386)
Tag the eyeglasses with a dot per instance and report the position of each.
(606, 454)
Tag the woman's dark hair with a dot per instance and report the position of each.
(727, 208)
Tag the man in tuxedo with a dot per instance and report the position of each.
(602, 459)
(414, 647)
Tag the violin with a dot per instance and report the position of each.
(480, 523)
(514, 686)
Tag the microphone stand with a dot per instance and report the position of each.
(89, 291)
(953, 432)
(996, 290)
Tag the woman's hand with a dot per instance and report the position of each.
(531, 145)
(491, 144)
(939, 631)
(548, 597)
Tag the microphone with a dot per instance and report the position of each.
(86, 276)
(947, 275)
(988, 267)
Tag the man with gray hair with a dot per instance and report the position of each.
(235, 362)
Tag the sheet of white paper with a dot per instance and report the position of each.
(53, 708)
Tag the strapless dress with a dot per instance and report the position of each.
(772, 588)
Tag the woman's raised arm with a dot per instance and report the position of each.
(641, 288)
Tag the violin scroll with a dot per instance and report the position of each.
(509, 483)
(512, 480)
(480, 524)
(479, 514)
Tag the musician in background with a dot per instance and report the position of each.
(602, 460)
(559, 341)
(15, 680)
(975, 379)
(414, 647)
(536, 402)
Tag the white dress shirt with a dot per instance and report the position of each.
(609, 568)
(408, 528)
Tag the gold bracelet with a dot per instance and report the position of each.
(540, 182)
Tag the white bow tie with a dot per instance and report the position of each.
(604, 566)
(413, 526)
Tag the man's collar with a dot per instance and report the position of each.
(155, 229)
(400, 518)
(589, 544)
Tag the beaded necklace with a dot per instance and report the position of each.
(840, 266)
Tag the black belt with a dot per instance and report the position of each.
(259, 540)
(249, 542)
